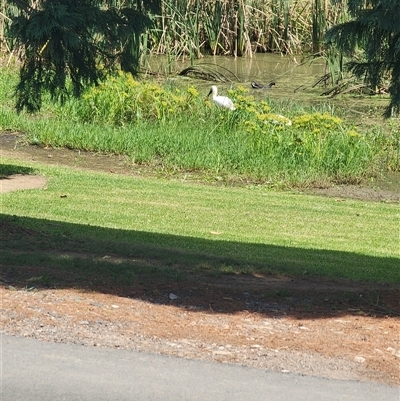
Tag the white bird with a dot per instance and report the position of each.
(222, 101)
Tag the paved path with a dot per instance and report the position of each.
(33, 371)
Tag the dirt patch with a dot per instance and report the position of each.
(385, 189)
(17, 182)
(333, 329)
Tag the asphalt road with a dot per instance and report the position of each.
(39, 371)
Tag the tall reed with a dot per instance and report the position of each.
(221, 27)
(242, 27)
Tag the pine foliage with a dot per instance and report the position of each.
(375, 30)
(81, 40)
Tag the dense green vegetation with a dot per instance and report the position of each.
(175, 129)
(86, 40)
(372, 40)
(72, 40)
(171, 227)
(195, 27)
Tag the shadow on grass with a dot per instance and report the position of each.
(204, 274)
(7, 170)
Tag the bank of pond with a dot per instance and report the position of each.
(176, 127)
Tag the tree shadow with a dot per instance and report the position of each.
(201, 274)
(7, 170)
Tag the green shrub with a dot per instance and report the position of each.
(122, 100)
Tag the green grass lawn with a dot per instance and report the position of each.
(186, 226)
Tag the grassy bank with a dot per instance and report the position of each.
(186, 227)
(174, 129)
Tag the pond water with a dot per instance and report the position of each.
(262, 67)
(294, 80)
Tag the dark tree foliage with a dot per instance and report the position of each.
(376, 31)
(81, 40)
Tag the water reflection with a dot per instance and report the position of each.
(265, 68)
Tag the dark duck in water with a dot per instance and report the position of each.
(258, 85)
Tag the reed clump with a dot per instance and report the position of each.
(243, 27)
(192, 28)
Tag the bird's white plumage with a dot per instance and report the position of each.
(222, 101)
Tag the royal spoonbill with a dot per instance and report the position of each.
(258, 85)
(222, 101)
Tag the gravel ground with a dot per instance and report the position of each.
(355, 347)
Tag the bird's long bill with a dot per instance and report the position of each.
(209, 93)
